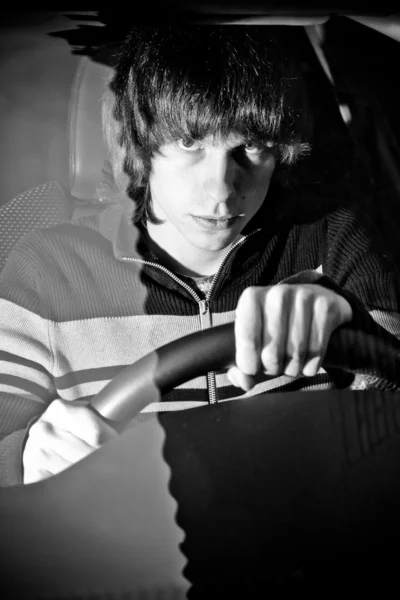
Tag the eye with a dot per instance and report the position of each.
(189, 145)
(254, 148)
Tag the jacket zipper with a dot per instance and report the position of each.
(204, 304)
(205, 318)
(211, 377)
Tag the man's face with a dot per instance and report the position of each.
(206, 192)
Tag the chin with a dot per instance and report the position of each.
(214, 243)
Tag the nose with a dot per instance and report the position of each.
(219, 178)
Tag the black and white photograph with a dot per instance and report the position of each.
(199, 301)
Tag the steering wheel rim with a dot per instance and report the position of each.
(375, 352)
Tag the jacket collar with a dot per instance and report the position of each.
(115, 224)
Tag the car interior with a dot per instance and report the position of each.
(51, 202)
(300, 495)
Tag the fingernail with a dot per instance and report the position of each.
(312, 367)
(232, 376)
(292, 369)
(248, 382)
(246, 385)
(241, 380)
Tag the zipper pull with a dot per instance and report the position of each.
(205, 314)
(203, 306)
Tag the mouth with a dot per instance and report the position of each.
(216, 223)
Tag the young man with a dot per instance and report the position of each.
(206, 127)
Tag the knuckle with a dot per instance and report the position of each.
(56, 409)
(248, 340)
(94, 432)
(33, 475)
(246, 345)
(304, 295)
(249, 367)
(252, 291)
(96, 436)
(58, 404)
(272, 359)
(273, 363)
(35, 457)
(249, 296)
(40, 429)
(323, 306)
(276, 292)
(278, 296)
(282, 288)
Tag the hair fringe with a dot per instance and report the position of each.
(146, 103)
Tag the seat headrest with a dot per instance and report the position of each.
(86, 145)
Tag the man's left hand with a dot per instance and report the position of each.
(284, 330)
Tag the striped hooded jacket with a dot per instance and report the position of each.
(81, 300)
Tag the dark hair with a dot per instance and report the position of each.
(192, 81)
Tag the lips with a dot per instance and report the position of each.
(215, 223)
(210, 218)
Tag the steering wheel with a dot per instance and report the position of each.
(374, 351)
(290, 476)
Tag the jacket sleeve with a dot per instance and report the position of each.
(26, 383)
(356, 264)
(355, 259)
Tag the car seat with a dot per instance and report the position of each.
(50, 203)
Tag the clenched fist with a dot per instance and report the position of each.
(65, 433)
(284, 330)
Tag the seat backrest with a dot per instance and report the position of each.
(49, 204)
(42, 206)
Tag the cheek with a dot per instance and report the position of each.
(162, 183)
(255, 187)
(170, 189)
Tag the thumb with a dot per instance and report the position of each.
(240, 379)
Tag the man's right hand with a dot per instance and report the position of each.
(64, 435)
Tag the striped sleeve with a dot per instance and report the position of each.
(356, 259)
(369, 321)
(26, 383)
